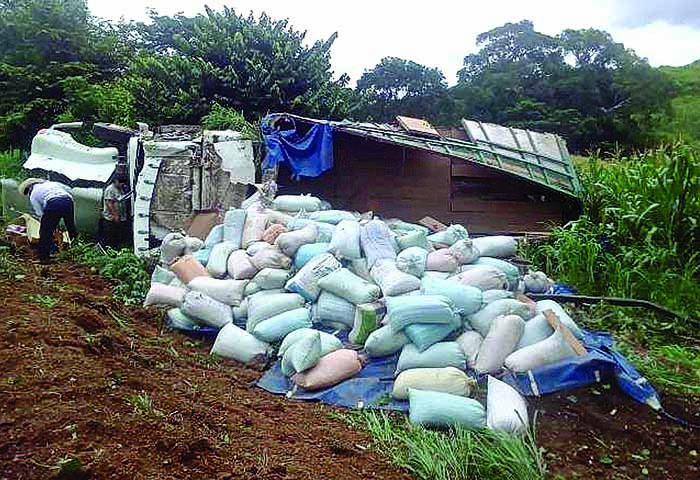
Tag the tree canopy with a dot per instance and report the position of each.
(59, 63)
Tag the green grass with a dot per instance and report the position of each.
(11, 165)
(43, 300)
(457, 454)
(638, 237)
(126, 271)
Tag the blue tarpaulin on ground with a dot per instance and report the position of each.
(307, 156)
(372, 386)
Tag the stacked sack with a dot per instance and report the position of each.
(444, 302)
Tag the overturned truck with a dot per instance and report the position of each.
(172, 173)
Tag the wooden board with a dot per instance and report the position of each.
(418, 126)
(555, 323)
(432, 224)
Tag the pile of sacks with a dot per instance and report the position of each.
(447, 303)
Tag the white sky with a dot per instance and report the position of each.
(440, 33)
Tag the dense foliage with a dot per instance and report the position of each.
(58, 63)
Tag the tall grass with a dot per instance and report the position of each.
(639, 237)
(11, 165)
(457, 454)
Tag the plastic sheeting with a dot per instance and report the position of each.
(371, 388)
(307, 156)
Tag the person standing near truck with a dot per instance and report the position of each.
(114, 224)
(51, 202)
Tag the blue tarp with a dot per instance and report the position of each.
(372, 386)
(307, 156)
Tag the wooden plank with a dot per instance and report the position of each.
(418, 126)
(432, 224)
(556, 324)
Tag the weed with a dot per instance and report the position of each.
(10, 267)
(67, 466)
(141, 402)
(11, 165)
(43, 300)
(208, 361)
(122, 268)
(459, 453)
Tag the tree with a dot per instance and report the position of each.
(580, 84)
(48, 49)
(255, 65)
(401, 87)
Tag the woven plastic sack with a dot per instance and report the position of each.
(216, 235)
(202, 256)
(309, 251)
(269, 278)
(449, 236)
(193, 244)
(218, 259)
(443, 354)
(367, 319)
(359, 268)
(187, 267)
(234, 342)
(306, 280)
(254, 228)
(442, 260)
(391, 280)
(466, 299)
(241, 311)
(290, 242)
(490, 296)
(481, 320)
(484, 278)
(256, 247)
(506, 410)
(438, 275)
(302, 355)
(173, 246)
(333, 309)
(329, 343)
(470, 341)
(553, 349)
(272, 232)
(412, 260)
(333, 216)
(414, 239)
(446, 380)
(377, 242)
(385, 341)
(537, 282)
(181, 321)
(349, 286)
(207, 310)
(330, 370)
(160, 294)
(399, 227)
(424, 335)
(511, 271)
(275, 217)
(325, 230)
(346, 240)
(239, 266)
(464, 251)
(234, 222)
(175, 282)
(443, 410)
(229, 292)
(496, 246)
(536, 330)
(500, 342)
(261, 308)
(544, 305)
(162, 275)
(295, 203)
(274, 329)
(435, 309)
(270, 258)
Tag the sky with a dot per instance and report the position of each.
(439, 33)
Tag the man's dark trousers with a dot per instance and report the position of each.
(55, 210)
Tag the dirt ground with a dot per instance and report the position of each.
(82, 377)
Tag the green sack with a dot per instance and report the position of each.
(442, 410)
